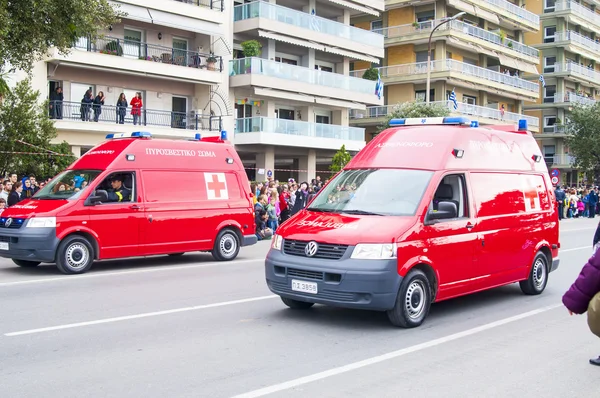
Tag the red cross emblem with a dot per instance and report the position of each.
(216, 186)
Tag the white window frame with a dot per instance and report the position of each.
(547, 8)
(555, 91)
(546, 36)
(467, 98)
(553, 66)
(142, 40)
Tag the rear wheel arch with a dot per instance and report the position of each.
(544, 248)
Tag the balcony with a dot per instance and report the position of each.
(460, 74)
(500, 12)
(377, 114)
(273, 131)
(575, 14)
(278, 76)
(570, 98)
(75, 116)
(304, 29)
(463, 35)
(559, 160)
(575, 72)
(575, 43)
(138, 58)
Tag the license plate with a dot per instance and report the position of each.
(304, 287)
(3, 245)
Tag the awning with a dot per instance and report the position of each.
(485, 51)
(489, 16)
(462, 44)
(162, 18)
(508, 61)
(356, 7)
(476, 11)
(272, 93)
(317, 46)
(527, 67)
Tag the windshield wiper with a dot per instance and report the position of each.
(320, 210)
(362, 212)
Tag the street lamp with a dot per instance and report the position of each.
(445, 20)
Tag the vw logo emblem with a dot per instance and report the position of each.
(311, 248)
(8, 222)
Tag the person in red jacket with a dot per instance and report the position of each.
(136, 107)
(284, 201)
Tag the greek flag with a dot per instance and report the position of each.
(542, 81)
(452, 98)
(379, 86)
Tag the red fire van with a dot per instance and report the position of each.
(429, 210)
(135, 196)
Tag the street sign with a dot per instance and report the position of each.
(555, 173)
(269, 173)
(554, 180)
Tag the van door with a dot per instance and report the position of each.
(117, 223)
(451, 242)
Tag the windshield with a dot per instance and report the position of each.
(69, 184)
(386, 192)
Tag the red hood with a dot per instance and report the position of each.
(344, 229)
(29, 208)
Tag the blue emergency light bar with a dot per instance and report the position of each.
(522, 125)
(224, 135)
(136, 134)
(417, 121)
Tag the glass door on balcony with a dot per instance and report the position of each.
(179, 112)
(549, 152)
(180, 48)
(244, 123)
(132, 45)
(549, 123)
(549, 93)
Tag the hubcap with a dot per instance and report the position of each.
(227, 245)
(539, 274)
(414, 301)
(77, 255)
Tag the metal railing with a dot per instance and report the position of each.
(301, 74)
(450, 65)
(560, 159)
(576, 8)
(305, 20)
(515, 10)
(218, 5)
(463, 109)
(298, 128)
(575, 37)
(150, 52)
(571, 67)
(459, 26)
(76, 111)
(569, 97)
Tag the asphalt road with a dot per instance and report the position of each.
(190, 327)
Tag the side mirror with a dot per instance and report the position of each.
(97, 197)
(446, 211)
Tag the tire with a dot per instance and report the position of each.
(26, 263)
(75, 255)
(413, 301)
(538, 276)
(176, 254)
(295, 304)
(227, 246)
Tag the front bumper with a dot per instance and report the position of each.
(555, 264)
(348, 283)
(249, 240)
(32, 244)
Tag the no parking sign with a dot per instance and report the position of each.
(554, 180)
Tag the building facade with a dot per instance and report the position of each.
(480, 56)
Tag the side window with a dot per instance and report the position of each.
(120, 187)
(452, 189)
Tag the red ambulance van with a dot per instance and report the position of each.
(135, 196)
(429, 210)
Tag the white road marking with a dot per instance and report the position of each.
(137, 271)
(391, 355)
(577, 230)
(573, 249)
(138, 316)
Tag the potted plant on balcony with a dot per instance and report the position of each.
(211, 60)
(251, 48)
(371, 74)
(502, 35)
(114, 48)
(415, 25)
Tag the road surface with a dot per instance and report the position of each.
(190, 327)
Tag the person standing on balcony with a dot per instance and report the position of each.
(86, 105)
(56, 103)
(136, 108)
(98, 102)
(121, 108)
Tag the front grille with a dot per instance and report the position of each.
(325, 250)
(300, 273)
(15, 223)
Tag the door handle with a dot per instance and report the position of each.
(134, 207)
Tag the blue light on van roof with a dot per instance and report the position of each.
(474, 123)
(223, 135)
(198, 137)
(135, 134)
(522, 125)
(418, 121)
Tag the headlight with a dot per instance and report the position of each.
(374, 251)
(276, 242)
(42, 222)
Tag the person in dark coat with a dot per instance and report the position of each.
(56, 103)
(560, 198)
(592, 202)
(301, 198)
(585, 287)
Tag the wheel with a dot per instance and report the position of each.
(75, 255)
(295, 304)
(25, 263)
(176, 254)
(413, 301)
(227, 246)
(538, 277)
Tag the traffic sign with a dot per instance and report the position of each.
(269, 173)
(555, 173)
(554, 180)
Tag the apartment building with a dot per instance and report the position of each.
(479, 54)
(570, 54)
(292, 100)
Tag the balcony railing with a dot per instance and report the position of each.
(463, 109)
(570, 98)
(571, 67)
(305, 20)
(559, 159)
(515, 10)
(450, 65)
(459, 26)
(151, 52)
(218, 5)
(300, 74)
(578, 9)
(577, 38)
(76, 111)
(298, 128)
